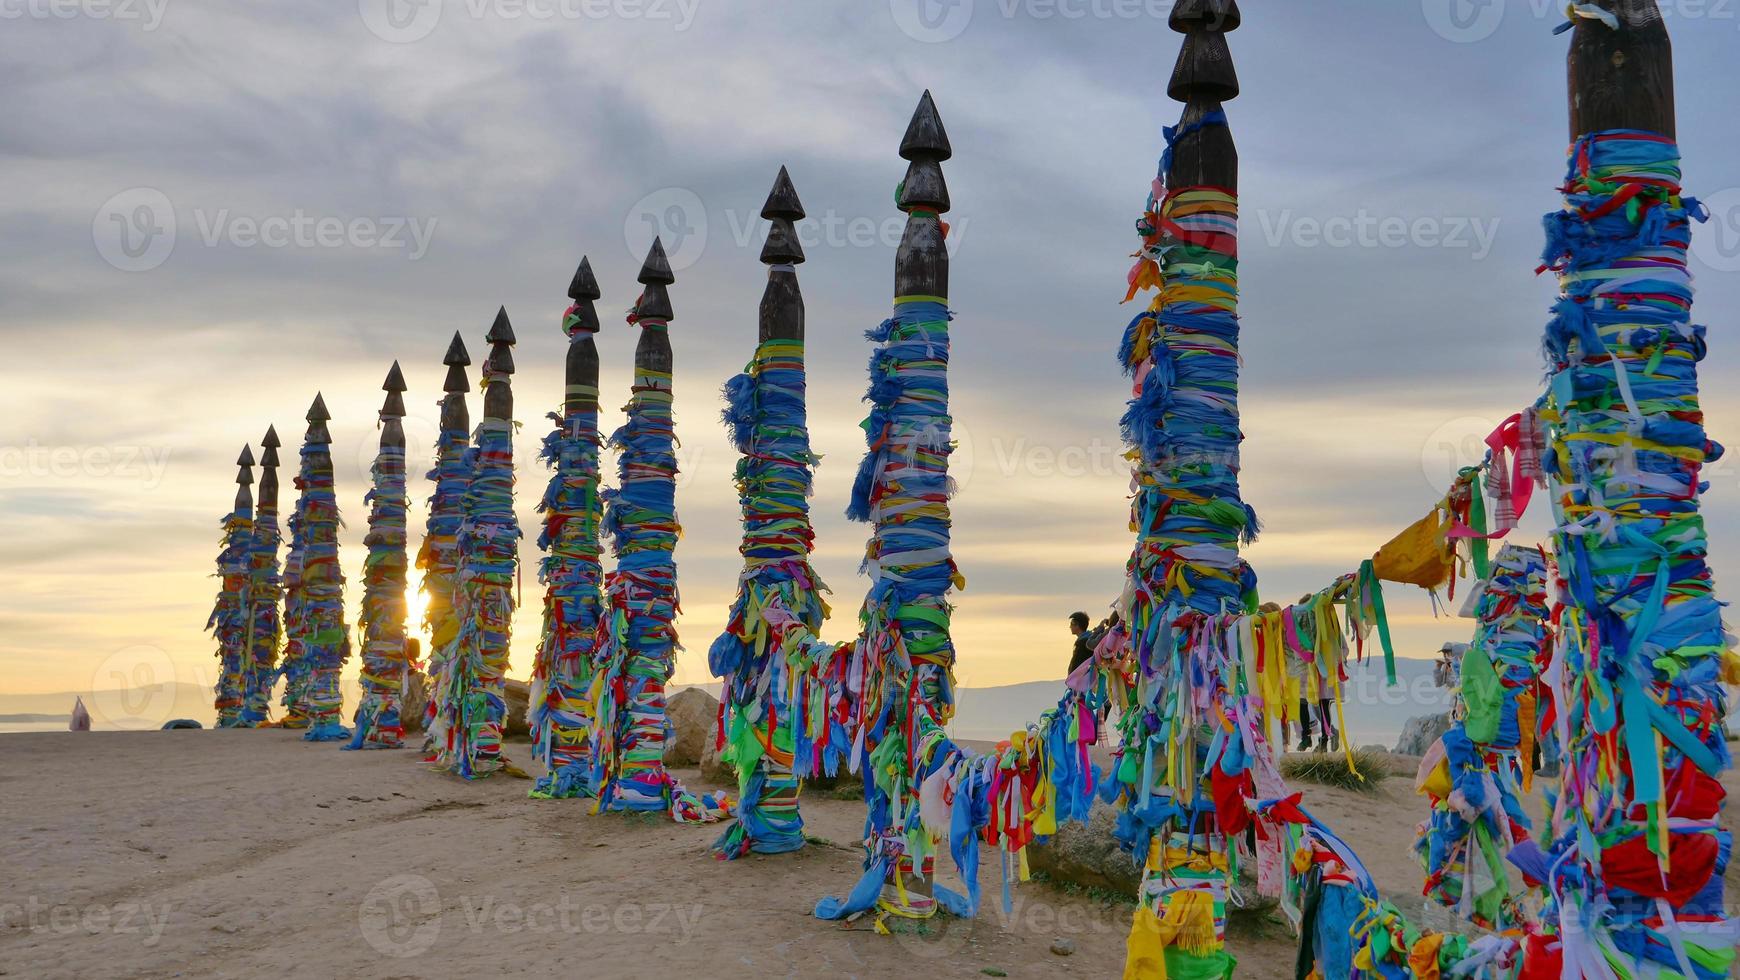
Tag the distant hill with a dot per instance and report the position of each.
(1375, 712)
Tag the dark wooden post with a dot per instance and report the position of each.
(641, 516)
(385, 656)
(766, 413)
(1622, 79)
(489, 560)
(782, 303)
(245, 481)
(439, 555)
(1641, 632)
(921, 268)
(264, 626)
(229, 616)
(1188, 339)
(902, 488)
(326, 640)
(561, 716)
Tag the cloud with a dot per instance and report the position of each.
(529, 142)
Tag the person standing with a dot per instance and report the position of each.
(1084, 650)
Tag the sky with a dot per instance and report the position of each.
(211, 210)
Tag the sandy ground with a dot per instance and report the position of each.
(251, 853)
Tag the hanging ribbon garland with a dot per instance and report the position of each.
(765, 413)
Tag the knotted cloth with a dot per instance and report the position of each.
(385, 658)
(438, 559)
(561, 714)
(1638, 854)
(229, 617)
(765, 414)
(321, 632)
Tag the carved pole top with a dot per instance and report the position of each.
(655, 275)
(456, 361)
(1621, 76)
(583, 291)
(317, 418)
(394, 386)
(783, 209)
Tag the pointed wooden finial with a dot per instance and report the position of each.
(318, 416)
(925, 138)
(501, 331)
(1204, 78)
(269, 469)
(585, 284)
(657, 268)
(501, 342)
(498, 369)
(244, 479)
(655, 275)
(456, 360)
(583, 291)
(394, 386)
(922, 266)
(783, 209)
(580, 369)
(782, 305)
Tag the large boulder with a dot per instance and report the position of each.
(1087, 854)
(517, 694)
(414, 701)
(1420, 732)
(692, 715)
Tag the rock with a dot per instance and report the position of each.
(1420, 732)
(1087, 854)
(1062, 947)
(517, 694)
(692, 715)
(181, 723)
(415, 700)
